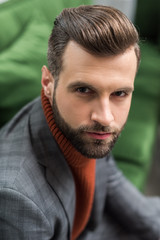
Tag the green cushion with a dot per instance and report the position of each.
(20, 68)
(23, 49)
(148, 78)
(136, 141)
(134, 149)
(14, 16)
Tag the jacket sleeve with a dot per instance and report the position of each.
(138, 213)
(20, 218)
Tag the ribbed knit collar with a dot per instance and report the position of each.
(83, 170)
(73, 157)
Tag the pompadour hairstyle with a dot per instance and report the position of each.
(100, 30)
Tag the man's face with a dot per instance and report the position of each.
(92, 99)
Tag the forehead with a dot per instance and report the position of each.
(79, 65)
(75, 51)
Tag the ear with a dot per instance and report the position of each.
(47, 82)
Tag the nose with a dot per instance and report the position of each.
(102, 113)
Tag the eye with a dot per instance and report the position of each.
(83, 90)
(120, 94)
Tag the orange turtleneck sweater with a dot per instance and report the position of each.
(83, 170)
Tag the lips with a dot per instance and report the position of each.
(99, 135)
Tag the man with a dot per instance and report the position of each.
(57, 179)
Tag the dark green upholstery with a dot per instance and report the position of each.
(134, 150)
(25, 27)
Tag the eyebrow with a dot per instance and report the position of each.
(85, 84)
(127, 89)
(80, 84)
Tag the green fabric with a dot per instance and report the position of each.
(22, 59)
(25, 28)
(13, 20)
(134, 149)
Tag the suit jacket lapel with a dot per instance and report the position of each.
(48, 154)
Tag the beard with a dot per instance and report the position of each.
(89, 147)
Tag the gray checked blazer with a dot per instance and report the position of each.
(37, 191)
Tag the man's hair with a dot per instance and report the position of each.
(100, 30)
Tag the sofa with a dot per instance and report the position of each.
(25, 26)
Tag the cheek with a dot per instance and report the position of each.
(73, 111)
(121, 113)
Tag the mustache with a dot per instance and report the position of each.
(98, 127)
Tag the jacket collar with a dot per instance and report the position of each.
(58, 173)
